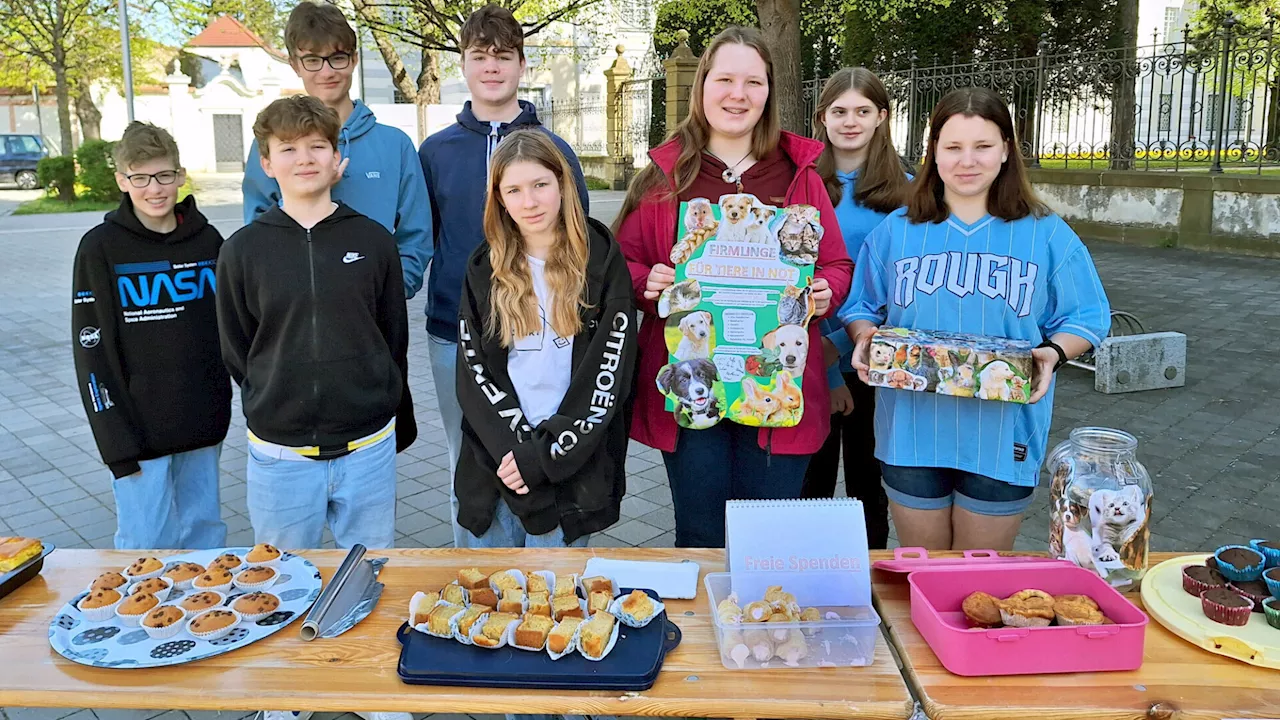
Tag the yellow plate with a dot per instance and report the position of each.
(1256, 643)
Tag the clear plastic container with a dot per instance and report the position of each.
(1100, 505)
(845, 637)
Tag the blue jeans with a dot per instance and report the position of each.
(933, 488)
(171, 504)
(290, 501)
(506, 532)
(444, 372)
(724, 462)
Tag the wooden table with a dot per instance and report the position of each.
(1176, 681)
(357, 670)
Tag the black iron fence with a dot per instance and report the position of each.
(579, 120)
(640, 107)
(1210, 102)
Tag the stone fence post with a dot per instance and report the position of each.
(681, 68)
(618, 122)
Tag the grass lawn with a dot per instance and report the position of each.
(51, 204)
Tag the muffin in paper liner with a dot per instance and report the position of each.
(615, 609)
(161, 595)
(132, 620)
(1272, 578)
(1271, 554)
(101, 614)
(255, 617)
(272, 563)
(183, 585)
(254, 587)
(1254, 591)
(568, 649)
(233, 570)
(1219, 613)
(222, 597)
(1233, 573)
(503, 641)
(210, 636)
(121, 588)
(1271, 606)
(169, 631)
(1023, 621)
(1194, 586)
(613, 640)
(144, 576)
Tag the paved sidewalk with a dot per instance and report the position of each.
(1212, 447)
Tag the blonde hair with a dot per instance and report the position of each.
(142, 143)
(694, 131)
(513, 305)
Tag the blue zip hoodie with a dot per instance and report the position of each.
(383, 181)
(455, 162)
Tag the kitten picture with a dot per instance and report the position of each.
(1116, 515)
(796, 305)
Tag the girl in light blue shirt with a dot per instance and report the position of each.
(974, 251)
(866, 181)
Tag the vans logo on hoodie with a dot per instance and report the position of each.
(373, 175)
(352, 257)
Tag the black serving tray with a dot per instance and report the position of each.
(633, 664)
(16, 577)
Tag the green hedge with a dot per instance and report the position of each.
(58, 176)
(97, 171)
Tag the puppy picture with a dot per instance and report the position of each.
(735, 216)
(695, 336)
(993, 381)
(792, 344)
(680, 297)
(692, 384)
(758, 225)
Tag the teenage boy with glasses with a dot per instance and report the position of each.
(380, 176)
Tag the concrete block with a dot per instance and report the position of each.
(1147, 361)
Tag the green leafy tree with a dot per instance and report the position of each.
(266, 18)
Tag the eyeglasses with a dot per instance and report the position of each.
(337, 61)
(164, 177)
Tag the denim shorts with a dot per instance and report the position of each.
(930, 488)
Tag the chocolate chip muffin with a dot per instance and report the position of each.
(212, 621)
(256, 603)
(214, 577)
(200, 601)
(163, 616)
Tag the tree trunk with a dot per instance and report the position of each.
(88, 113)
(63, 94)
(1123, 95)
(429, 78)
(780, 22)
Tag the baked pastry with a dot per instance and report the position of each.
(469, 617)
(472, 578)
(566, 606)
(540, 603)
(758, 611)
(1255, 591)
(184, 572)
(813, 615)
(758, 642)
(512, 601)
(262, 553)
(256, 575)
(596, 634)
(439, 616)
(419, 605)
(597, 583)
(598, 602)
(1239, 563)
(155, 586)
(792, 650)
(1223, 605)
(229, 561)
(1027, 608)
(453, 593)
(1198, 578)
(728, 611)
(533, 630)
(982, 610)
(16, 551)
(565, 586)
(108, 581)
(256, 604)
(782, 601)
(493, 628)
(484, 595)
(137, 604)
(212, 621)
(503, 581)
(214, 577)
(559, 639)
(143, 566)
(535, 583)
(105, 597)
(638, 605)
(163, 616)
(1077, 610)
(200, 601)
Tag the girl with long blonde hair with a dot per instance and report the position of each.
(546, 349)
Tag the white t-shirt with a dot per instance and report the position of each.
(540, 365)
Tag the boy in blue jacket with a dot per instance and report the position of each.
(492, 43)
(379, 176)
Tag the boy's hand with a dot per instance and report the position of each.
(342, 168)
(509, 474)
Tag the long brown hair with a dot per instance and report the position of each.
(882, 183)
(694, 131)
(1010, 197)
(513, 306)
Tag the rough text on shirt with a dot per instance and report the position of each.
(995, 276)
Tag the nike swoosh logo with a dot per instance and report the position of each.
(351, 257)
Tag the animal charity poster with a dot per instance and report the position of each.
(738, 313)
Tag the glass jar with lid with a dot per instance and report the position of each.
(1100, 505)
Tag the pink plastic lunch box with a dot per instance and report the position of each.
(938, 588)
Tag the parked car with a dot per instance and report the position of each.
(18, 157)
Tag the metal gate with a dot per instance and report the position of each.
(228, 143)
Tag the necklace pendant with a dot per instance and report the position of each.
(729, 176)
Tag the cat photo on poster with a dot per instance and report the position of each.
(738, 313)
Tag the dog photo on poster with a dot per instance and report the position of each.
(737, 316)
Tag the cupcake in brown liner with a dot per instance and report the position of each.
(1222, 605)
(1255, 591)
(1198, 578)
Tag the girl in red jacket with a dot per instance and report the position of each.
(731, 142)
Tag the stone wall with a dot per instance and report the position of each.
(1224, 213)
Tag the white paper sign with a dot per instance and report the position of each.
(815, 549)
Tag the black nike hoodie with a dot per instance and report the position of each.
(314, 329)
(144, 336)
(574, 462)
